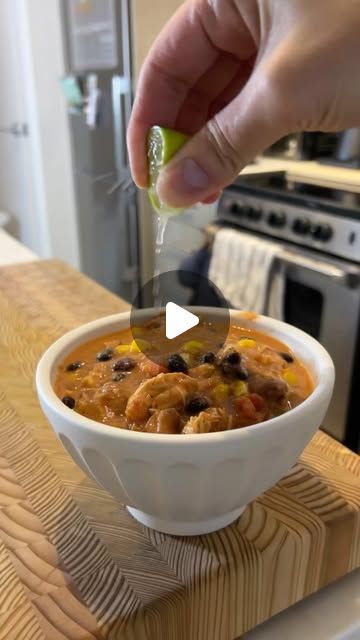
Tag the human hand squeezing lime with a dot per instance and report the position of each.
(237, 75)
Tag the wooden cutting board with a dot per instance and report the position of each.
(75, 565)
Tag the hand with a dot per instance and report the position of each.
(238, 75)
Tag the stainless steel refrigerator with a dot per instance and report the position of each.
(97, 38)
(106, 42)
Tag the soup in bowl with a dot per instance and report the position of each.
(186, 432)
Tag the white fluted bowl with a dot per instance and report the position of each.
(194, 484)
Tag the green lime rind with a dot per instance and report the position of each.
(162, 145)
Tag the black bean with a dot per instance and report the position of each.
(228, 369)
(117, 377)
(241, 373)
(104, 355)
(124, 364)
(207, 358)
(232, 357)
(197, 404)
(69, 401)
(176, 363)
(74, 365)
(234, 371)
(229, 362)
(286, 356)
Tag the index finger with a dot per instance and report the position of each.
(180, 56)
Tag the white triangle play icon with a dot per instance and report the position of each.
(178, 320)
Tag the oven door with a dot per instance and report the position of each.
(322, 297)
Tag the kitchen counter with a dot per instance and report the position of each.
(12, 251)
(331, 614)
(313, 172)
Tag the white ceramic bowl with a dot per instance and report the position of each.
(187, 485)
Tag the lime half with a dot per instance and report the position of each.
(162, 144)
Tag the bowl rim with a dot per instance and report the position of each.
(58, 350)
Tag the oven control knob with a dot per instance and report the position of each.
(236, 208)
(301, 226)
(276, 219)
(253, 213)
(322, 232)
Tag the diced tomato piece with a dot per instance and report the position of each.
(252, 407)
(246, 407)
(152, 369)
(258, 401)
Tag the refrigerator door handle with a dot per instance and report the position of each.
(120, 89)
(345, 276)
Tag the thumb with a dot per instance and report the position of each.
(215, 155)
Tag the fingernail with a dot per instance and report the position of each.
(185, 180)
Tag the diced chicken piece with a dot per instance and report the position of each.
(202, 371)
(210, 420)
(165, 391)
(87, 407)
(112, 396)
(164, 421)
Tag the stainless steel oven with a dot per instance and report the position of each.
(322, 297)
(319, 231)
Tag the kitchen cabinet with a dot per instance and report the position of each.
(148, 19)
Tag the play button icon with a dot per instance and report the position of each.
(178, 320)
(176, 311)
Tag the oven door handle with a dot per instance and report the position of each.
(347, 277)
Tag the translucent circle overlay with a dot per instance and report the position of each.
(189, 290)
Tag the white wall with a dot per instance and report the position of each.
(39, 23)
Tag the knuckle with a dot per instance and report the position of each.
(225, 151)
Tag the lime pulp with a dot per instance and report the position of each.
(162, 145)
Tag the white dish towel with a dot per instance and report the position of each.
(243, 267)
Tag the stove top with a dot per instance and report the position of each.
(325, 219)
(277, 185)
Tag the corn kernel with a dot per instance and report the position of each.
(246, 343)
(122, 348)
(289, 376)
(137, 331)
(134, 347)
(221, 392)
(240, 388)
(139, 345)
(193, 346)
(186, 357)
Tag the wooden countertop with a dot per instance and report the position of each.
(75, 565)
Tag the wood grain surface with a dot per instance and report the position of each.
(74, 565)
